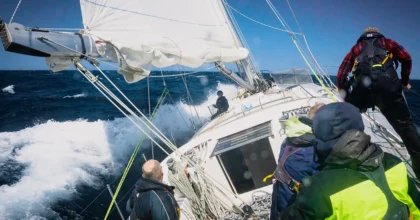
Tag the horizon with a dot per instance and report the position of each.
(329, 26)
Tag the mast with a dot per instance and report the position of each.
(253, 81)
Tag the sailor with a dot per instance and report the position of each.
(152, 199)
(222, 104)
(357, 180)
(375, 83)
(295, 164)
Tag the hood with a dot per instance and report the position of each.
(331, 122)
(144, 185)
(353, 150)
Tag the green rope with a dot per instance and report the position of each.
(313, 72)
(133, 156)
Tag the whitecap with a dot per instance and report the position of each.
(9, 89)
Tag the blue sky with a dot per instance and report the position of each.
(331, 27)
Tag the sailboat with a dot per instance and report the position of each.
(219, 173)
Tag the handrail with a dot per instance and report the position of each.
(202, 130)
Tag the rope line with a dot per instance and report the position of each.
(14, 13)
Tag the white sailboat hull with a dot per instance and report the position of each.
(245, 114)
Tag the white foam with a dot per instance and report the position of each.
(9, 89)
(81, 95)
(63, 155)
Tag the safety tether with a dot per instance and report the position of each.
(133, 156)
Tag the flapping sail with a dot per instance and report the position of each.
(161, 33)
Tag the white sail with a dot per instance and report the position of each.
(161, 33)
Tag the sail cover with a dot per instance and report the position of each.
(161, 33)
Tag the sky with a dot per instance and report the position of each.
(331, 27)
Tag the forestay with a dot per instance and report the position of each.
(161, 33)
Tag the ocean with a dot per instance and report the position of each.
(61, 141)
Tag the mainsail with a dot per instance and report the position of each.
(142, 34)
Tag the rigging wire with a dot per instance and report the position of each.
(250, 61)
(241, 36)
(258, 22)
(180, 74)
(64, 29)
(294, 16)
(14, 13)
(290, 33)
(191, 100)
(309, 48)
(287, 31)
(172, 100)
(147, 123)
(103, 89)
(293, 37)
(148, 98)
(86, 207)
(412, 113)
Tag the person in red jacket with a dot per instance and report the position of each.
(375, 82)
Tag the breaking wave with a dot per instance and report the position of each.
(81, 95)
(9, 89)
(59, 157)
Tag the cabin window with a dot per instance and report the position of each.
(248, 165)
(247, 157)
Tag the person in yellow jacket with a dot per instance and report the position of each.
(357, 180)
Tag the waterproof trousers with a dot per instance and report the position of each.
(393, 106)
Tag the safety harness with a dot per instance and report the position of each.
(281, 173)
(373, 56)
(370, 68)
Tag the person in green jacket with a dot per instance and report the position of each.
(357, 180)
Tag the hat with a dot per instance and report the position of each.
(371, 29)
